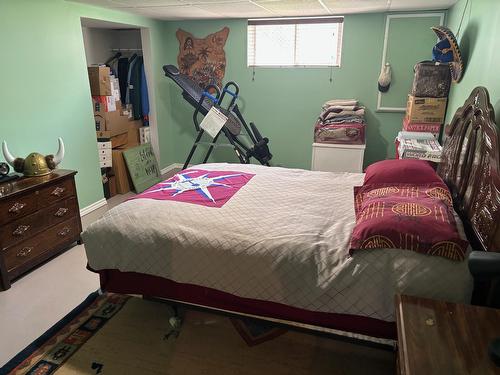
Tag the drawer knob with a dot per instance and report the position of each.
(24, 252)
(58, 191)
(64, 232)
(16, 207)
(61, 212)
(20, 230)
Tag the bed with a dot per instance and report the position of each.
(279, 247)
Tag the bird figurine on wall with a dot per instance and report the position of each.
(35, 164)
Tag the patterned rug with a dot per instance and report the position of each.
(118, 334)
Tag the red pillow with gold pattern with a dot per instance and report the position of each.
(409, 217)
(401, 171)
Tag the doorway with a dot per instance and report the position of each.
(124, 112)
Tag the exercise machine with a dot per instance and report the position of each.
(203, 100)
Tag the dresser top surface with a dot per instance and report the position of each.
(444, 338)
(23, 184)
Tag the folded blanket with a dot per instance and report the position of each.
(329, 103)
(335, 112)
(343, 120)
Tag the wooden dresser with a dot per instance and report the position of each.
(436, 337)
(39, 218)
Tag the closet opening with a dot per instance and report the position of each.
(119, 67)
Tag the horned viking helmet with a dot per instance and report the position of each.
(35, 164)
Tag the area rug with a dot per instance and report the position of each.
(118, 334)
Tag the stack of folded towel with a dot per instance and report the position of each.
(341, 121)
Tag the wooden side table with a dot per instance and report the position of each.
(436, 337)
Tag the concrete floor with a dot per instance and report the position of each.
(41, 298)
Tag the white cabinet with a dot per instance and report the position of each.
(337, 158)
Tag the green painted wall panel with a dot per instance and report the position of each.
(45, 92)
(285, 102)
(409, 41)
(478, 40)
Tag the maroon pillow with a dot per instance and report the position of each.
(409, 217)
(404, 171)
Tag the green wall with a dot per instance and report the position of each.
(45, 92)
(285, 102)
(478, 40)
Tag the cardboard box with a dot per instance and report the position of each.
(116, 122)
(112, 186)
(117, 139)
(425, 110)
(100, 81)
(122, 178)
(115, 88)
(112, 122)
(423, 127)
(102, 104)
(133, 133)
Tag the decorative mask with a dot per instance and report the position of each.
(35, 164)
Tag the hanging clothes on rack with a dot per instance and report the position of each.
(133, 96)
(144, 98)
(123, 64)
(112, 63)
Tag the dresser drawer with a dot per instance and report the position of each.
(53, 193)
(27, 226)
(27, 251)
(17, 207)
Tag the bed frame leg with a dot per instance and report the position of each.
(175, 322)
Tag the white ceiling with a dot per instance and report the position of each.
(203, 9)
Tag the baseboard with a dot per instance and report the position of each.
(94, 206)
(171, 167)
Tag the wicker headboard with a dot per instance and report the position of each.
(470, 167)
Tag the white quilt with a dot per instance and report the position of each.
(283, 237)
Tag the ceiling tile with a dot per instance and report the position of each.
(240, 9)
(355, 6)
(421, 4)
(198, 9)
(293, 7)
(143, 3)
(176, 12)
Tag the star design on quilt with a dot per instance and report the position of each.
(200, 184)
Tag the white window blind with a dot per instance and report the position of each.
(307, 41)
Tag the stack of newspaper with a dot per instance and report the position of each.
(416, 145)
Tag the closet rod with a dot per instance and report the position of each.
(126, 49)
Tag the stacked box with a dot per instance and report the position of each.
(417, 145)
(115, 130)
(426, 106)
(100, 80)
(425, 110)
(431, 127)
(431, 80)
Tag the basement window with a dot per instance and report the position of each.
(294, 42)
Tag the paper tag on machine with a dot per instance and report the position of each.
(213, 122)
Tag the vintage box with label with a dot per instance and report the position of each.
(425, 110)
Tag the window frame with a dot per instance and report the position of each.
(295, 21)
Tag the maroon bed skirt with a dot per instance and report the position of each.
(154, 286)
